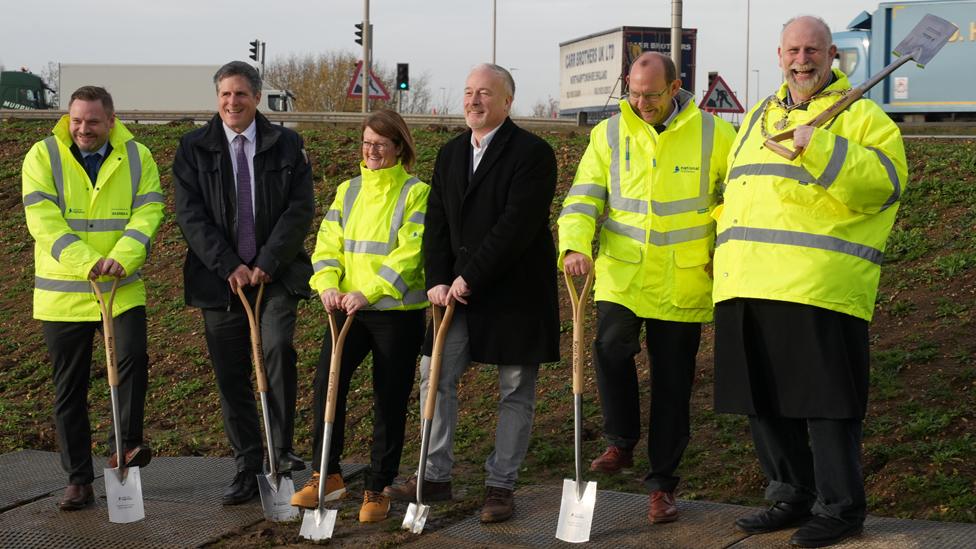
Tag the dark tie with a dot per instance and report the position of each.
(246, 243)
(93, 163)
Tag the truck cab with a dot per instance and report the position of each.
(22, 90)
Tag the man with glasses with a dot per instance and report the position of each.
(654, 169)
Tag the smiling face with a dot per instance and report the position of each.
(486, 101)
(650, 93)
(237, 103)
(89, 124)
(379, 152)
(805, 55)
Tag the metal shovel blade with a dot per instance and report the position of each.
(123, 495)
(318, 525)
(416, 517)
(926, 39)
(575, 512)
(276, 497)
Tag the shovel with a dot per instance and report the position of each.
(417, 512)
(921, 45)
(318, 524)
(123, 485)
(579, 498)
(275, 490)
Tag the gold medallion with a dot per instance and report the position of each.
(782, 123)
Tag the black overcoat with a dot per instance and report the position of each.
(492, 228)
(206, 210)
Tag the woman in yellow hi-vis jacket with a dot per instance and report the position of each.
(368, 261)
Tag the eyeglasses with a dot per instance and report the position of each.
(649, 97)
(380, 147)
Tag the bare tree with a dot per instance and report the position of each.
(546, 109)
(321, 82)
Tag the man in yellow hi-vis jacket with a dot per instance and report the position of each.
(654, 169)
(93, 203)
(797, 262)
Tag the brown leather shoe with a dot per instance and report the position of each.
(433, 491)
(499, 504)
(140, 456)
(662, 507)
(77, 496)
(613, 460)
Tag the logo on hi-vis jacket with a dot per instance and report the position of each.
(686, 169)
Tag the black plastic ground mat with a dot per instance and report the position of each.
(619, 520)
(885, 533)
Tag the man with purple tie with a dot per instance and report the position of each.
(245, 201)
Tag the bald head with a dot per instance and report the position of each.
(652, 84)
(805, 54)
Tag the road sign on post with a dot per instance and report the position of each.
(719, 98)
(376, 88)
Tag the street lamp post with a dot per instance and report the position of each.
(494, 26)
(758, 87)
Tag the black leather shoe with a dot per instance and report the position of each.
(288, 462)
(779, 516)
(243, 489)
(821, 531)
(77, 496)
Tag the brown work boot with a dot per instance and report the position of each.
(433, 491)
(376, 507)
(499, 504)
(308, 496)
(77, 496)
(613, 460)
(140, 456)
(661, 507)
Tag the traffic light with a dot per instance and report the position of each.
(403, 77)
(255, 50)
(359, 33)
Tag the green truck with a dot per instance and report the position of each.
(23, 90)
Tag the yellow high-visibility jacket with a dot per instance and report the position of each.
(658, 191)
(811, 230)
(75, 223)
(370, 240)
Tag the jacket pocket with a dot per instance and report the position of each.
(691, 284)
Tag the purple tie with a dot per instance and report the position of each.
(246, 243)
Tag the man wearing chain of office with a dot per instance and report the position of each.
(798, 255)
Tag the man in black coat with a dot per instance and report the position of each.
(245, 201)
(487, 246)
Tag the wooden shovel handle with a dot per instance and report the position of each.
(578, 302)
(335, 364)
(253, 320)
(108, 330)
(441, 326)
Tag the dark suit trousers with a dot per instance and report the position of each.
(808, 459)
(69, 346)
(672, 347)
(229, 343)
(394, 338)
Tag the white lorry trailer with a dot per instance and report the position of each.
(157, 87)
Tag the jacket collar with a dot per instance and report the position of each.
(686, 111)
(117, 136)
(214, 139)
(493, 153)
(384, 178)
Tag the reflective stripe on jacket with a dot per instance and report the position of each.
(370, 240)
(813, 230)
(657, 191)
(75, 223)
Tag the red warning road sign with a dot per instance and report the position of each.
(719, 98)
(376, 88)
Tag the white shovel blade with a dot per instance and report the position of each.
(415, 518)
(576, 515)
(276, 500)
(318, 526)
(123, 496)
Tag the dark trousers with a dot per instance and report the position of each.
(815, 461)
(672, 347)
(69, 346)
(394, 338)
(229, 343)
